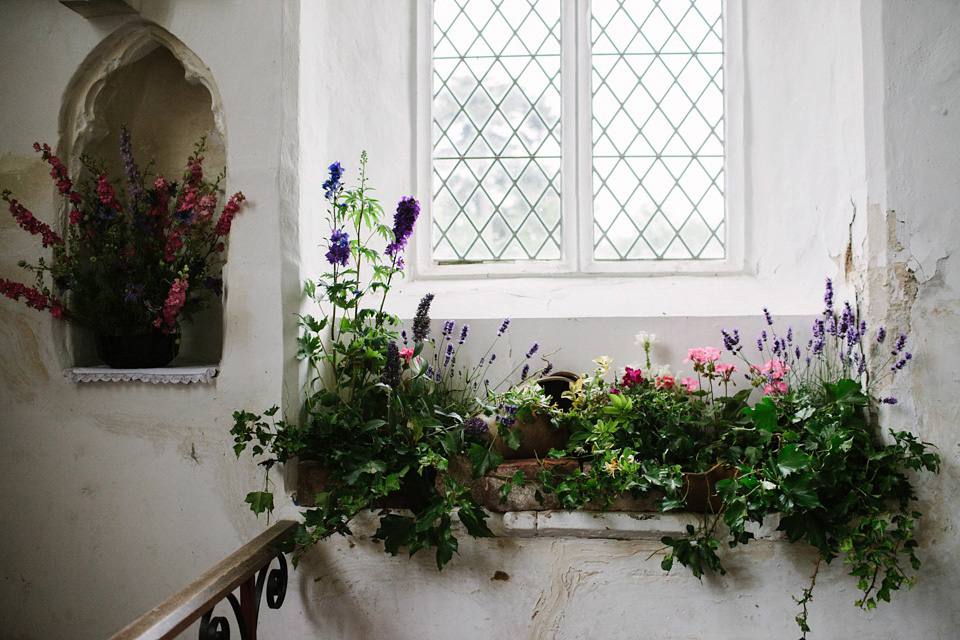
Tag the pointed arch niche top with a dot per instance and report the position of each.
(144, 77)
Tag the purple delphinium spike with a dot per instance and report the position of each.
(463, 334)
(888, 400)
(790, 335)
(493, 357)
(881, 334)
(134, 178)
(533, 349)
(763, 334)
(403, 336)
(547, 370)
(448, 328)
(391, 367)
(476, 426)
(828, 298)
(406, 216)
(421, 321)
(769, 318)
(759, 344)
(503, 327)
(525, 372)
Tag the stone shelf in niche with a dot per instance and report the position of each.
(167, 375)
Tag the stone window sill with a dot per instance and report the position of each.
(166, 375)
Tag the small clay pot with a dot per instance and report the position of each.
(700, 488)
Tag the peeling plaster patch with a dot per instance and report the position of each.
(501, 576)
(22, 370)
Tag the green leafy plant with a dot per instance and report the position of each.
(384, 410)
(808, 451)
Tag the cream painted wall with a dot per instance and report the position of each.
(115, 496)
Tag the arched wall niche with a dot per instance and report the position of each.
(144, 77)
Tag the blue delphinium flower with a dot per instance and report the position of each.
(133, 293)
(332, 185)
(339, 252)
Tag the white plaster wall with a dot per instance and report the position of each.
(115, 496)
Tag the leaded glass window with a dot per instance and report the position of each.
(651, 77)
(496, 130)
(657, 69)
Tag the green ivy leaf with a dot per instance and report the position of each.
(484, 460)
(791, 459)
(260, 501)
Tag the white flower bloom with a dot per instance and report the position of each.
(662, 370)
(645, 340)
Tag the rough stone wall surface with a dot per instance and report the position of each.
(114, 496)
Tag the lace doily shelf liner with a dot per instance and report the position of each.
(165, 375)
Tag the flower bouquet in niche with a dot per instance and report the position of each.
(138, 258)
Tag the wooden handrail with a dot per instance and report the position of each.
(179, 611)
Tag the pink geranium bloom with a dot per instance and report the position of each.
(774, 368)
(726, 369)
(406, 354)
(702, 355)
(689, 384)
(663, 382)
(777, 386)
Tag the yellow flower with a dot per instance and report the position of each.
(603, 365)
(610, 466)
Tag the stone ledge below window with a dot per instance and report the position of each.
(521, 515)
(167, 375)
(609, 525)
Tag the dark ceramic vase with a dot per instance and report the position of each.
(144, 351)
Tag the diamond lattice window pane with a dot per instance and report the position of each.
(496, 133)
(657, 129)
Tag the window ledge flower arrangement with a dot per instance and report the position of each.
(393, 419)
(138, 258)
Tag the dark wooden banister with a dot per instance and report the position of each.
(179, 611)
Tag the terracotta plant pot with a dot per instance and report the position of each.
(700, 488)
(314, 478)
(540, 435)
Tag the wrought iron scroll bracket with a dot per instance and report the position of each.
(246, 608)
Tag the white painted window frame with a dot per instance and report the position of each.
(576, 176)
